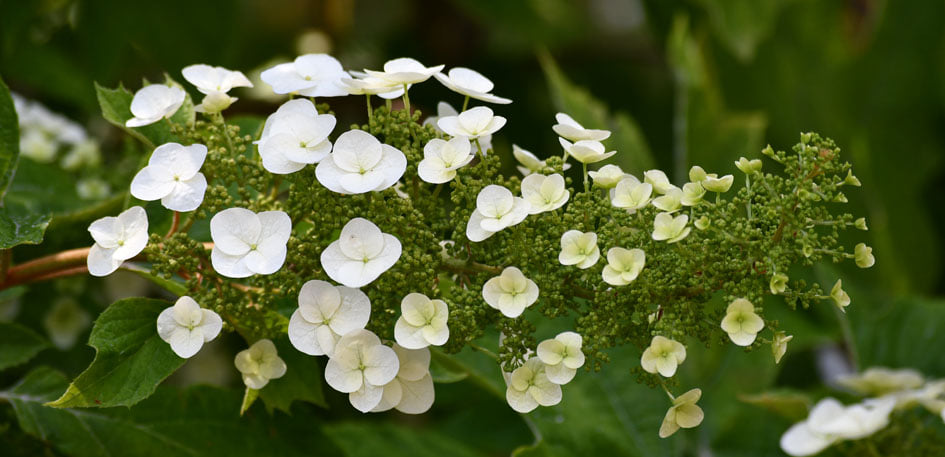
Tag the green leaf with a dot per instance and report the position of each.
(130, 358)
(633, 153)
(9, 138)
(249, 397)
(116, 108)
(362, 439)
(19, 227)
(898, 333)
(199, 421)
(18, 344)
(171, 285)
(302, 380)
(789, 404)
(743, 24)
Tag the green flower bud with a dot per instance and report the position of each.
(702, 223)
(863, 255)
(748, 166)
(697, 174)
(860, 223)
(851, 180)
(839, 296)
(778, 283)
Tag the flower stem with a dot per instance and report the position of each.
(586, 187)
(370, 109)
(465, 103)
(174, 224)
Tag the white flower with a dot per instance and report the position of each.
(741, 322)
(293, 136)
(659, 181)
(586, 151)
(623, 266)
(173, 176)
(829, 421)
(360, 367)
(779, 345)
(607, 176)
(155, 102)
(670, 201)
(247, 243)
(363, 84)
(580, 249)
(360, 163)
(719, 185)
(692, 193)
(259, 364)
(631, 194)
(877, 381)
(442, 158)
(863, 256)
(778, 283)
(405, 70)
(117, 239)
(840, 296)
(544, 193)
(311, 75)
(411, 392)
(471, 84)
(361, 254)
(684, 413)
(185, 326)
(569, 129)
(214, 83)
(529, 386)
(510, 292)
(562, 357)
(669, 228)
(748, 166)
(325, 314)
(472, 123)
(422, 322)
(496, 209)
(529, 163)
(697, 174)
(663, 356)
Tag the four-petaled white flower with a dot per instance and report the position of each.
(259, 364)
(411, 391)
(863, 255)
(360, 367)
(117, 239)
(663, 356)
(185, 326)
(669, 228)
(173, 176)
(748, 166)
(442, 158)
(510, 292)
(360, 163)
(472, 123)
(471, 84)
(658, 180)
(631, 194)
(361, 254)
(247, 243)
(712, 183)
(683, 414)
(579, 249)
(528, 162)
(544, 193)
(362, 84)
(569, 129)
(670, 201)
(586, 151)
(829, 421)
(496, 209)
(692, 193)
(444, 109)
(422, 322)
(562, 356)
(623, 265)
(311, 75)
(741, 322)
(779, 345)
(840, 296)
(778, 283)
(214, 83)
(879, 381)
(607, 177)
(529, 386)
(294, 136)
(405, 70)
(325, 314)
(155, 102)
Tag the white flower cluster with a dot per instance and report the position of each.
(538, 381)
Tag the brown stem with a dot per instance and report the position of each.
(174, 224)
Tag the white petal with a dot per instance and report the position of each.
(231, 266)
(342, 379)
(101, 261)
(354, 312)
(284, 79)
(799, 440)
(187, 195)
(233, 230)
(303, 335)
(560, 374)
(474, 230)
(417, 396)
(106, 231)
(520, 401)
(381, 365)
(152, 183)
(409, 336)
(414, 363)
(366, 398)
(361, 239)
(392, 166)
(186, 343)
(182, 161)
(329, 175)
(210, 325)
(356, 151)
(393, 392)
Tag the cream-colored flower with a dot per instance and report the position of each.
(863, 255)
(683, 414)
(669, 228)
(779, 345)
(839, 296)
(586, 151)
(510, 292)
(879, 381)
(607, 177)
(692, 193)
(778, 283)
(623, 265)
(663, 356)
(658, 180)
(529, 386)
(562, 356)
(259, 364)
(718, 185)
(580, 249)
(741, 322)
(748, 166)
(422, 322)
(544, 193)
(670, 201)
(631, 194)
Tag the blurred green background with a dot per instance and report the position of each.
(680, 82)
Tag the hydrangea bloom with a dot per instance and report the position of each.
(510, 292)
(405, 70)
(741, 323)
(360, 367)
(579, 248)
(360, 163)
(878, 381)
(779, 345)
(829, 421)
(311, 75)
(444, 109)
(472, 123)
(631, 194)
(117, 239)
(259, 364)
(586, 151)
(214, 83)
(294, 136)
(471, 84)
(658, 180)
(173, 176)
(719, 185)
(692, 193)
(571, 130)
(840, 296)
(411, 391)
(670, 201)
(496, 209)
(247, 243)
(748, 166)
(529, 386)
(544, 193)
(422, 322)
(623, 265)
(528, 162)
(361, 254)
(607, 176)
(325, 314)
(185, 326)
(684, 413)
(442, 158)
(363, 84)
(778, 283)
(155, 102)
(669, 228)
(562, 356)
(863, 256)
(663, 356)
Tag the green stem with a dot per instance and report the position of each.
(748, 188)
(586, 187)
(465, 103)
(478, 147)
(406, 101)
(370, 109)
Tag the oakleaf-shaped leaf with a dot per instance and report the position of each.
(18, 344)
